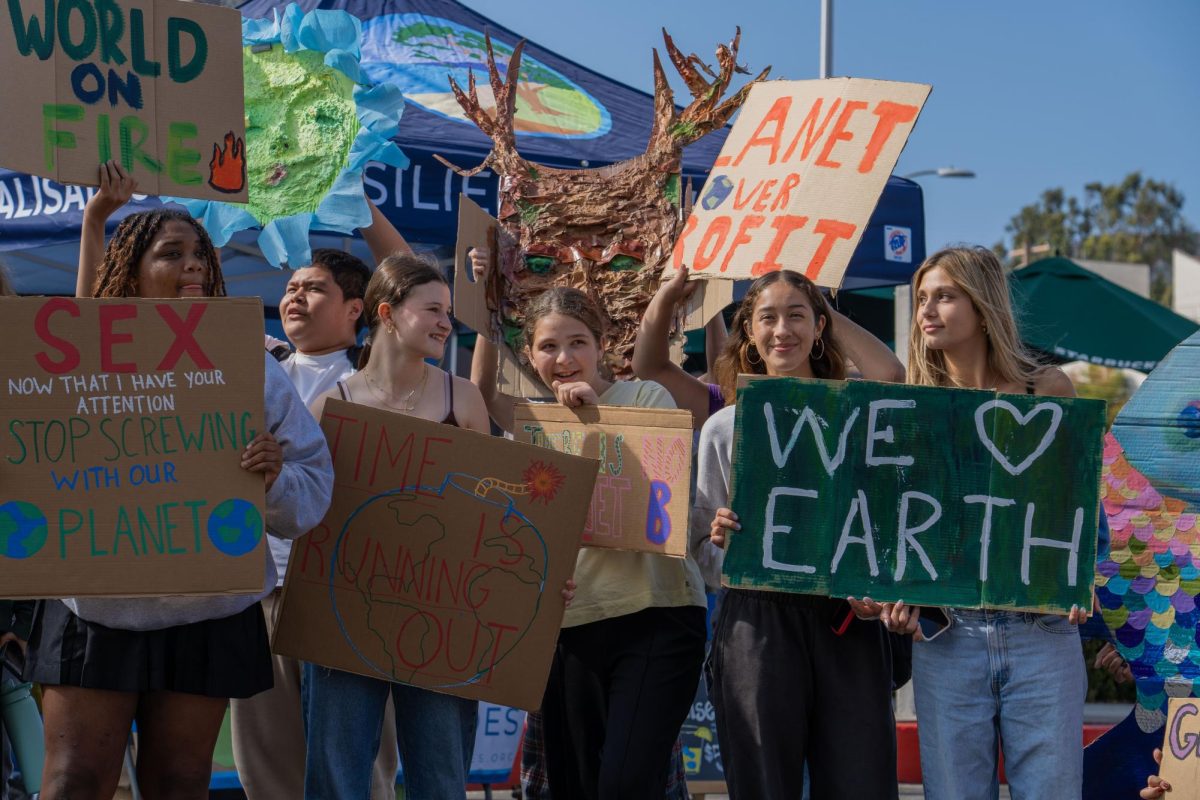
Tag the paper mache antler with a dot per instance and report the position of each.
(606, 230)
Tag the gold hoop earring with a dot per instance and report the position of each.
(816, 357)
(390, 328)
(752, 349)
(984, 327)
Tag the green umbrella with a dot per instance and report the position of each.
(1072, 314)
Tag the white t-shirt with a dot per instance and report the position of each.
(312, 376)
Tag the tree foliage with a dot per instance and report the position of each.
(1138, 220)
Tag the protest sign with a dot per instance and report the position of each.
(641, 497)
(1181, 747)
(155, 84)
(929, 495)
(441, 560)
(121, 436)
(798, 178)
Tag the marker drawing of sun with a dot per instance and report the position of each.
(543, 481)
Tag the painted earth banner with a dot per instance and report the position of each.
(440, 561)
(121, 434)
(942, 497)
(155, 84)
(798, 178)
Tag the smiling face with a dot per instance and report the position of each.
(565, 350)
(421, 320)
(945, 314)
(174, 265)
(784, 327)
(316, 315)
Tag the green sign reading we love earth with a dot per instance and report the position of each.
(933, 496)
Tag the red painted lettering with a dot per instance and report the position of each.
(749, 223)
(785, 191)
(329, 419)
(426, 461)
(814, 133)
(41, 325)
(718, 230)
(677, 253)
(738, 202)
(312, 544)
(185, 336)
(109, 338)
(763, 196)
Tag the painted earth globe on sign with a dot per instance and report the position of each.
(235, 527)
(22, 529)
(419, 53)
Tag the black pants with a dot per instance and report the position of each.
(789, 691)
(618, 694)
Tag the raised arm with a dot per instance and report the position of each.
(116, 188)
(485, 360)
(652, 350)
(873, 358)
(382, 237)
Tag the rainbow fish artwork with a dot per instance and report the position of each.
(1148, 582)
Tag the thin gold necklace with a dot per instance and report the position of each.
(410, 400)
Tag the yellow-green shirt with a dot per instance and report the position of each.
(613, 583)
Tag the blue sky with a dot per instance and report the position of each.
(1029, 94)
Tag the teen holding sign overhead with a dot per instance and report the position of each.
(994, 677)
(632, 643)
(796, 680)
(170, 663)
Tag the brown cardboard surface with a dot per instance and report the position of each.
(156, 84)
(121, 435)
(441, 560)
(798, 178)
(1181, 747)
(645, 455)
(476, 228)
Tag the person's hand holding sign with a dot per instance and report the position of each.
(1155, 786)
(264, 455)
(724, 522)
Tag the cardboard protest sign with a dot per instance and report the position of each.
(155, 84)
(928, 495)
(1181, 747)
(121, 434)
(798, 178)
(441, 560)
(641, 497)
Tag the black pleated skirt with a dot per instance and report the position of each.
(228, 657)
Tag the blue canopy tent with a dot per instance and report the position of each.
(578, 118)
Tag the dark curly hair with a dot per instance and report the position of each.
(118, 273)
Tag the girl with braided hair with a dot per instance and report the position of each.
(169, 663)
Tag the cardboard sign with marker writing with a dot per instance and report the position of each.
(1181, 747)
(441, 561)
(121, 434)
(155, 84)
(641, 497)
(798, 178)
(933, 496)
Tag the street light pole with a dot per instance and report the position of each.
(826, 70)
(941, 172)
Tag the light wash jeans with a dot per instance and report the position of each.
(1001, 679)
(343, 717)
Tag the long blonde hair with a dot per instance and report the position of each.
(978, 272)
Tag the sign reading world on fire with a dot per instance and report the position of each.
(121, 432)
(798, 178)
(154, 84)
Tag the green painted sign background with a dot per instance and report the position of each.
(898, 495)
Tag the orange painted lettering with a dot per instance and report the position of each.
(738, 202)
(718, 230)
(749, 223)
(890, 115)
(831, 230)
(785, 191)
(677, 254)
(763, 196)
(839, 133)
(814, 133)
(777, 116)
(784, 227)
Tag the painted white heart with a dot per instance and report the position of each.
(1022, 420)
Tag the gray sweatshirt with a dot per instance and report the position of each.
(713, 464)
(296, 502)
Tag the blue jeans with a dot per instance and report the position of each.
(343, 717)
(1001, 679)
